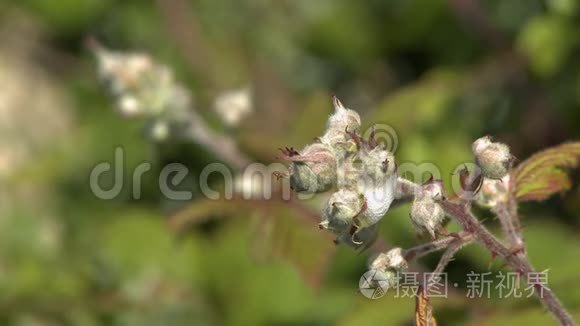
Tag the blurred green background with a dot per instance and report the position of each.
(441, 73)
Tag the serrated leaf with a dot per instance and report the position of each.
(545, 173)
(295, 240)
(423, 310)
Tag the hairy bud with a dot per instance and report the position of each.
(493, 192)
(393, 260)
(493, 158)
(343, 119)
(340, 123)
(434, 189)
(340, 210)
(426, 213)
(313, 170)
(378, 163)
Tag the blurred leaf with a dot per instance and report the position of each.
(547, 41)
(68, 16)
(283, 231)
(312, 119)
(564, 7)
(554, 247)
(388, 310)
(544, 173)
(251, 291)
(422, 103)
(528, 317)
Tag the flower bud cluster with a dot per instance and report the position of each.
(143, 88)
(363, 171)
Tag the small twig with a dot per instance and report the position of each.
(434, 278)
(224, 147)
(439, 244)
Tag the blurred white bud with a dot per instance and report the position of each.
(122, 71)
(142, 87)
(250, 186)
(159, 131)
(129, 106)
(233, 106)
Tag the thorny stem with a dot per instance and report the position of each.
(446, 258)
(507, 213)
(515, 257)
(517, 261)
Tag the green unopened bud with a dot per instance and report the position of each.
(313, 170)
(426, 215)
(494, 159)
(340, 210)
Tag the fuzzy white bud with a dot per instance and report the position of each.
(313, 170)
(340, 210)
(393, 259)
(494, 159)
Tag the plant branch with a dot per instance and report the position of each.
(518, 262)
(224, 147)
(514, 257)
(507, 212)
(436, 245)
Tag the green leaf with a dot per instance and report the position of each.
(547, 42)
(281, 228)
(545, 173)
